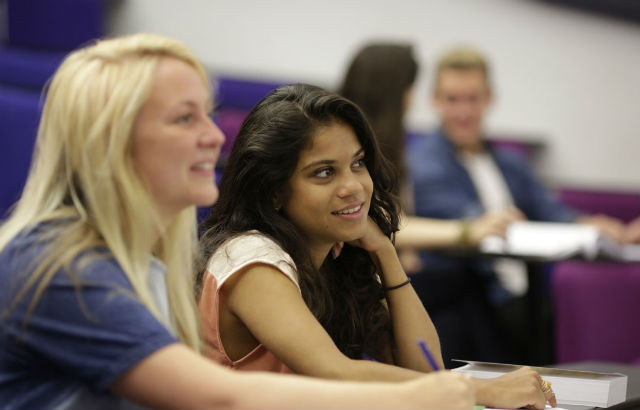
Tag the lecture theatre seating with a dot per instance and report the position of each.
(597, 304)
(40, 33)
(596, 307)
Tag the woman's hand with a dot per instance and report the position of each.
(632, 231)
(609, 226)
(521, 388)
(372, 241)
(492, 223)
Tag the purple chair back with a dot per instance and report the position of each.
(597, 309)
(235, 97)
(622, 205)
(229, 120)
(19, 116)
(242, 93)
(55, 25)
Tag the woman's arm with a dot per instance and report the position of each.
(427, 233)
(175, 377)
(271, 307)
(410, 322)
(632, 231)
(430, 233)
(409, 319)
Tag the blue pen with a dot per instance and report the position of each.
(428, 355)
(367, 357)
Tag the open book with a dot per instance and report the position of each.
(572, 387)
(556, 241)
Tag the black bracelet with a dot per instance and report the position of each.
(406, 282)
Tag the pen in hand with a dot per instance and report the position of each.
(428, 355)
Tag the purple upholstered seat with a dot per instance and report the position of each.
(229, 120)
(235, 97)
(242, 93)
(59, 25)
(622, 205)
(597, 311)
(27, 68)
(19, 114)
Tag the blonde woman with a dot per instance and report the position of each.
(96, 300)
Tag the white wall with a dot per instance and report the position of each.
(568, 77)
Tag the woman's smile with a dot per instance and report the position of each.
(351, 212)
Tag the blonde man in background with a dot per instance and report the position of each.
(456, 174)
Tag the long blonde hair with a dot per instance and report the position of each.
(82, 171)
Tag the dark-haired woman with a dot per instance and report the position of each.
(299, 272)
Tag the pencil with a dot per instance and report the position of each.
(427, 353)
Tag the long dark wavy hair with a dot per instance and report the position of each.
(377, 79)
(344, 294)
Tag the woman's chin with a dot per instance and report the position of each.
(354, 235)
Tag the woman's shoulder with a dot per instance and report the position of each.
(33, 245)
(29, 245)
(245, 249)
(249, 243)
(34, 234)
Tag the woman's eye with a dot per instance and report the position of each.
(323, 173)
(359, 163)
(183, 119)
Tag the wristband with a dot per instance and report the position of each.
(406, 282)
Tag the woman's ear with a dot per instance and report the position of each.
(280, 199)
(277, 203)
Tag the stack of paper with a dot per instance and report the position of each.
(571, 387)
(554, 241)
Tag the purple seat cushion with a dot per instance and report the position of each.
(596, 308)
(622, 205)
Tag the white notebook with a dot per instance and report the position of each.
(555, 241)
(572, 387)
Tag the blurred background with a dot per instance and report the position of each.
(565, 73)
